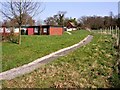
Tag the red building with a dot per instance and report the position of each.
(33, 30)
(30, 30)
(51, 30)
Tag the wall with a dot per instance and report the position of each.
(56, 31)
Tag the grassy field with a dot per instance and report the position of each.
(91, 66)
(33, 47)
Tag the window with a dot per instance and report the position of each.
(36, 30)
(7, 30)
(45, 30)
(1, 30)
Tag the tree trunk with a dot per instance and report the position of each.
(19, 41)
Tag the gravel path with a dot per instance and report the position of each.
(27, 68)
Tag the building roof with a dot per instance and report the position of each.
(71, 24)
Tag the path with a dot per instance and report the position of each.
(69, 33)
(27, 68)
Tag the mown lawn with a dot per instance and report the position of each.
(90, 66)
(36, 46)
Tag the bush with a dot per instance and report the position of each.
(12, 37)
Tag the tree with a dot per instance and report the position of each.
(57, 19)
(27, 20)
(16, 10)
(61, 15)
(73, 20)
(111, 18)
(66, 20)
(83, 22)
(96, 22)
(118, 21)
(39, 22)
(50, 21)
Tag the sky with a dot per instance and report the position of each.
(78, 9)
(119, 8)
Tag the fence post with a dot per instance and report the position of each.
(110, 29)
(107, 30)
(101, 31)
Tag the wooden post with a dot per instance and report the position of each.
(101, 31)
(112, 32)
(118, 37)
(105, 31)
(110, 29)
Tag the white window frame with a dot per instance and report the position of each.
(45, 30)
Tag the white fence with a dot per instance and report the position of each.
(71, 29)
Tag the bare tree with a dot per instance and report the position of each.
(16, 9)
(61, 15)
(51, 21)
(57, 19)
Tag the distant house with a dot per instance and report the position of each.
(71, 26)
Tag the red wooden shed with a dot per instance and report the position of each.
(51, 30)
(30, 30)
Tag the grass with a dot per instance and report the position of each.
(33, 47)
(90, 66)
